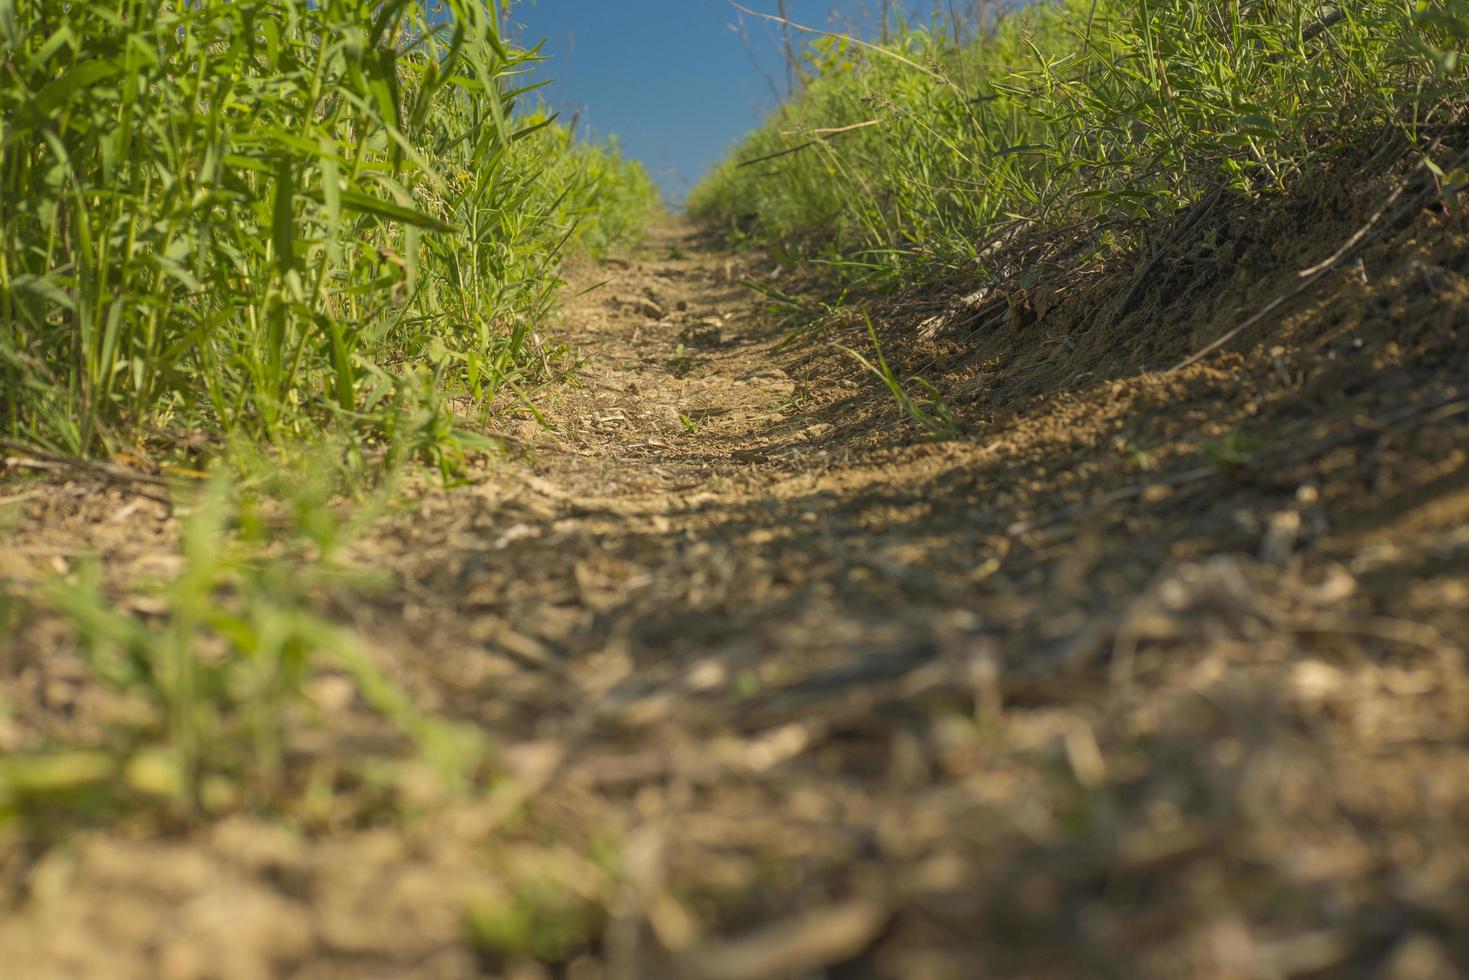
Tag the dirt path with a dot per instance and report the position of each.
(787, 690)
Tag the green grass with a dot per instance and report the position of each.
(271, 218)
(935, 416)
(208, 671)
(909, 161)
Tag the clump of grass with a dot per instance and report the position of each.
(1232, 454)
(932, 413)
(542, 920)
(212, 668)
(910, 159)
(272, 217)
(680, 362)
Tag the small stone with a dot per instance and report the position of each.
(705, 333)
(642, 306)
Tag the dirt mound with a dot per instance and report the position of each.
(1154, 673)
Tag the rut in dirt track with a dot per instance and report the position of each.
(1022, 702)
(697, 517)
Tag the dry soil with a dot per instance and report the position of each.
(1149, 672)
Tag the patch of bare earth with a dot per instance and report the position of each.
(1152, 673)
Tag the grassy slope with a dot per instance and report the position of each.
(1068, 111)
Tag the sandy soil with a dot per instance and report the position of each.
(1150, 673)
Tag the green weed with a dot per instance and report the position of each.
(217, 661)
(543, 920)
(680, 362)
(1138, 453)
(1233, 453)
(933, 414)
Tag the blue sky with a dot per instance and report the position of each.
(673, 79)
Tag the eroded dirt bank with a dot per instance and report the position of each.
(1150, 673)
